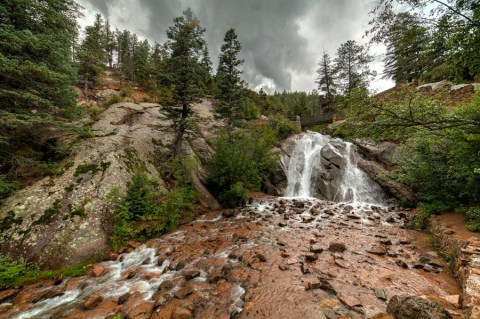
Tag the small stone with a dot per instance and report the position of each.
(402, 264)
(391, 253)
(418, 266)
(341, 263)
(405, 241)
(228, 213)
(98, 270)
(321, 284)
(282, 224)
(7, 294)
(380, 294)
(183, 292)
(353, 216)
(337, 247)
(453, 299)
(283, 267)
(380, 251)
(92, 301)
(191, 273)
(181, 313)
(310, 257)
(386, 242)
(261, 257)
(123, 298)
(316, 249)
(304, 269)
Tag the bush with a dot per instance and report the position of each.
(11, 271)
(240, 158)
(234, 197)
(112, 99)
(6, 187)
(428, 210)
(143, 212)
(283, 127)
(250, 110)
(473, 219)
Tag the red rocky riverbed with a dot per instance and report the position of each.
(277, 258)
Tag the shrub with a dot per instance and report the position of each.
(473, 219)
(235, 196)
(112, 99)
(283, 127)
(240, 157)
(427, 210)
(11, 271)
(6, 187)
(143, 212)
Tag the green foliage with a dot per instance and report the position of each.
(473, 219)
(49, 213)
(234, 197)
(10, 220)
(282, 127)
(112, 99)
(429, 40)
(230, 96)
(19, 273)
(6, 187)
(143, 212)
(11, 271)
(427, 210)
(352, 66)
(91, 168)
(250, 110)
(186, 70)
(241, 158)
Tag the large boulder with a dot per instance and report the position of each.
(413, 307)
(435, 86)
(395, 189)
(64, 219)
(382, 152)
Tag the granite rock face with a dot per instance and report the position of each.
(66, 218)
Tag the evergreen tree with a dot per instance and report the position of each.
(326, 77)
(352, 66)
(35, 54)
(36, 72)
(407, 43)
(230, 86)
(185, 71)
(92, 54)
(110, 43)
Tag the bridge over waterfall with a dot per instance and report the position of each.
(312, 120)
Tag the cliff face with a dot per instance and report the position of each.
(63, 219)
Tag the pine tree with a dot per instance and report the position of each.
(36, 54)
(36, 72)
(326, 77)
(407, 43)
(92, 54)
(185, 71)
(352, 66)
(230, 94)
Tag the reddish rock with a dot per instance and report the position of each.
(142, 311)
(7, 294)
(98, 270)
(92, 301)
(181, 313)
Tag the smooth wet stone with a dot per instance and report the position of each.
(337, 247)
(92, 301)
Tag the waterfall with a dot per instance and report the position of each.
(326, 168)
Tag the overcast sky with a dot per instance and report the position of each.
(282, 40)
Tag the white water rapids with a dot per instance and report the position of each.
(338, 178)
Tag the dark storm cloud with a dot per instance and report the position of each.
(282, 39)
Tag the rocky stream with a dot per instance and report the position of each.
(334, 248)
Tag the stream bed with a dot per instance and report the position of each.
(275, 258)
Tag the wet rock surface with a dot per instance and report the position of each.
(247, 266)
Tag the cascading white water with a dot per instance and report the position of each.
(311, 173)
(300, 166)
